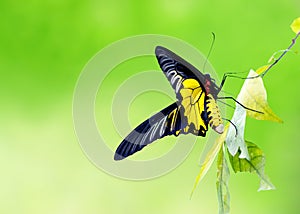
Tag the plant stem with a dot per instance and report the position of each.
(284, 52)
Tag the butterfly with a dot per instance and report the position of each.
(195, 109)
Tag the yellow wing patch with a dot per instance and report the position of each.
(193, 98)
(173, 117)
(190, 83)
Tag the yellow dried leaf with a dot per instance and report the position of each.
(296, 25)
(210, 157)
(262, 69)
(253, 95)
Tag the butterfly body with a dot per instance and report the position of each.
(195, 109)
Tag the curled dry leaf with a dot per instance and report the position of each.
(235, 136)
(253, 95)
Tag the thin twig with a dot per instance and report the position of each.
(284, 52)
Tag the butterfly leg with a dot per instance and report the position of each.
(240, 104)
(226, 104)
(236, 131)
(230, 74)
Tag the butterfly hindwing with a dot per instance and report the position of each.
(166, 122)
(194, 107)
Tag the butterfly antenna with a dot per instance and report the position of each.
(210, 49)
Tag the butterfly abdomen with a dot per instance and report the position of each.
(214, 115)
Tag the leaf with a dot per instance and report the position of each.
(235, 136)
(223, 175)
(262, 69)
(296, 25)
(254, 96)
(255, 164)
(209, 158)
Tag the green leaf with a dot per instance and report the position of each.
(235, 137)
(254, 96)
(223, 175)
(209, 158)
(256, 164)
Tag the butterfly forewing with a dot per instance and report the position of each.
(175, 68)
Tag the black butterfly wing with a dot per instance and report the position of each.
(166, 122)
(188, 83)
(177, 69)
(188, 115)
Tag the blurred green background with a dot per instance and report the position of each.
(44, 45)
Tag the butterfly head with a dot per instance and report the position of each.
(210, 86)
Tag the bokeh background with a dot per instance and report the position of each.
(44, 45)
